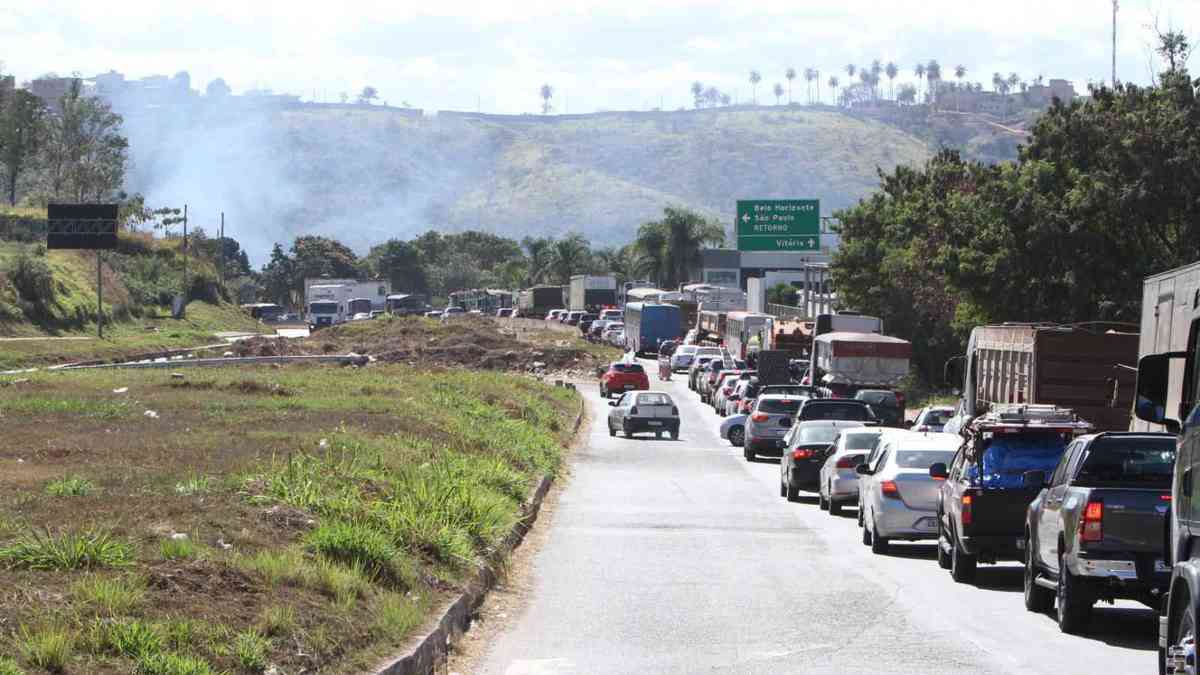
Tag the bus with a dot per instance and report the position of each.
(740, 327)
(264, 311)
(647, 325)
(403, 304)
(711, 324)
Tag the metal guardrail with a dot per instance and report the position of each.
(785, 311)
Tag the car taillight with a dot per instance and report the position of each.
(967, 500)
(1165, 498)
(760, 417)
(1093, 522)
(847, 462)
(674, 411)
(900, 400)
(923, 427)
(889, 489)
(802, 453)
(633, 410)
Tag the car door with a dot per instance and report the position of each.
(948, 488)
(617, 414)
(1049, 513)
(872, 492)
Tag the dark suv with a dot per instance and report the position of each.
(836, 409)
(887, 405)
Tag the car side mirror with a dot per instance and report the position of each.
(862, 470)
(1154, 374)
(908, 424)
(613, 404)
(1034, 479)
(939, 471)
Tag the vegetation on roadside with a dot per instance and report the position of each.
(241, 529)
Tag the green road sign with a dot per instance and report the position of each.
(779, 225)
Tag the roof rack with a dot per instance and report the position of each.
(1028, 416)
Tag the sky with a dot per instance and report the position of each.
(626, 54)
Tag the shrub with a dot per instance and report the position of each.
(176, 549)
(250, 648)
(278, 620)
(172, 664)
(397, 615)
(34, 281)
(9, 667)
(129, 638)
(67, 551)
(287, 566)
(196, 485)
(360, 545)
(72, 486)
(48, 648)
(113, 595)
(344, 584)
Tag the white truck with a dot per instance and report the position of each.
(592, 292)
(375, 290)
(846, 362)
(327, 304)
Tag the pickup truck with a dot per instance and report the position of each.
(984, 493)
(1095, 531)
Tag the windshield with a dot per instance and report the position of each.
(936, 418)
(708, 351)
(323, 308)
(777, 406)
(859, 441)
(1007, 458)
(922, 459)
(874, 397)
(687, 349)
(1129, 462)
(835, 410)
(653, 399)
(815, 434)
(627, 368)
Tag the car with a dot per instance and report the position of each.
(476, 312)
(1095, 531)
(690, 337)
(596, 329)
(452, 313)
(726, 381)
(610, 329)
(806, 446)
(797, 390)
(612, 315)
(898, 497)
(555, 314)
(708, 378)
(572, 318)
(617, 338)
(933, 418)
(433, 313)
(376, 313)
(637, 412)
(585, 323)
(361, 316)
(743, 395)
(505, 313)
(767, 424)
(887, 405)
(703, 356)
(621, 377)
(839, 481)
(836, 409)
(733, 429)
(682, 358)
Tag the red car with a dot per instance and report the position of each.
(621, 377)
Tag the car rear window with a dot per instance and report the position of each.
(653, 399)
(818, 434)
(1007, 458)
(778, 406)
(709, 351)
(922, 459)
(861, 441)
(1129, 462)
(937, 417)
(628, 368)
(878, 398)
(836, 411)
(789, 391)
(687, 349)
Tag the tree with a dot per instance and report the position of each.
(833, 86)
(22, 127)
(782, 294)
(317, 256)
(933, 73)
(84, 154)
(217, 89)
(726, 99)
(755, 78)
(876, 71)
(907, 94)
(892, 71)
(960, 71)
(343, 97)
(400, 263)
(569, 256)
(672, 246)
(919, 72)
(778, 91)
(1174, 48)
(850, 70)
(278, 277)
(697, 90)
(368, 95)
(810, 74)
(790, 74)
(538, 252)
(546, 92)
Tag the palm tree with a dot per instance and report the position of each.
(892, 71)
(755, 78)
(778, 91)
(960, 71)
(833, 84)
(850, 70)
(908, 94)
(998, 82)
(810, 74)
(687, 232)
(712, 97)
(651, 244)
(919, 71)
(697, 90)
(725, 99)
(538, 251)
(569, 256)
(547, 92)
(876, 71)
(790, 75)
(933, 73)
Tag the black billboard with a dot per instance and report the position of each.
(81, 226)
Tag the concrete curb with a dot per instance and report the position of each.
(429, 654)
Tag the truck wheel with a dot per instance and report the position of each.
(1037, 599)
(962, 565)
(1074, 607)
(879, 543)
(737, 436)
(1182, 636)
(943, 558)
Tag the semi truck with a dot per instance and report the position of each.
(647, 325)
(1077, 367)
(327, 304)
(374, 290)
(592, 292)
(847, 362)
(536, 302)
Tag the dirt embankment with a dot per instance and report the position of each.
(466, 342)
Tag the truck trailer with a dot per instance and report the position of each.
(647, 325)
(592, 292)
(847, 362)
(536, 302)
(1074, 367)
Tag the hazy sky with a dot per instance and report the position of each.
(615, 55)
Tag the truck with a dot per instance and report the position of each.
(847, 362)
(359, 306)
(773, 366)
(326, 304)
(376, 290)
(647, 325)
(1094, 532)
(404, 304)
(985, 491)
(1166, 393)
(847, 322)
(536, 302)
(1079, 367)
(592, 292)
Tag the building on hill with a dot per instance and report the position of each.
(7, 84)
(1043, 95)
(52, 89)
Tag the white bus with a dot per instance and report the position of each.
(741, 326)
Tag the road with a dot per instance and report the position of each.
(680, 557)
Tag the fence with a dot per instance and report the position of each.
(22, 228)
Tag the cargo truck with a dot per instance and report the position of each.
(326, 304)
(847, 362)
(647, 325)
(592, 292)
(1077, 367)
(536, 302)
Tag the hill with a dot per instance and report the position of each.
(364, 174)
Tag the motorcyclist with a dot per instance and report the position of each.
(665, 350)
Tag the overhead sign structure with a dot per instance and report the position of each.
(779, 225)
(81, 226)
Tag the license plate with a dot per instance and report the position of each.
(629, 386)
(1160, 566)
(927, 523)
(654, 423)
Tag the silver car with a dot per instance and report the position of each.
(899, 497)
(885, 434)
(839, 480)
(933, 418)
(733, 428)
(682, 358)
(767, 425)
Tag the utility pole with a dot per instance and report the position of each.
(1114, 45)
(222, 275)
(99, 297)
(185, 254)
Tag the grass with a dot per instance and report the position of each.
(70, 487)
(10, 667)
(67, 551)
(47, 647)
(330, 553)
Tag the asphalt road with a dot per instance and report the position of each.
(680, 557)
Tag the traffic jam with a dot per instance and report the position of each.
(1046, 474)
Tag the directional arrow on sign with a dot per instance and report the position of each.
(745, 217)
(812, 242)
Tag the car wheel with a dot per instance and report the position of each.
(1074, 607)
(835, 508)
(1183, 634)
(674, 433)
(860, 511)
(748, 454)
(611, 430)
(737, 436)
(793, 492)
(658, 435)
(962, 565)
(943, 558)
(1037, 599)
(879, 543)
(626, 430)
(866, 536)
(822, 503)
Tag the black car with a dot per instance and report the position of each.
(836, 409)
(886, 405)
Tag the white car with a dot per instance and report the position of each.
(898, 496)
(733, 429)
(361, 316)
(933, 418)
(839, 480)
(682, 358)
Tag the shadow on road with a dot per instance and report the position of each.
(912, 551)
(1007, 579)
(1126, 627)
